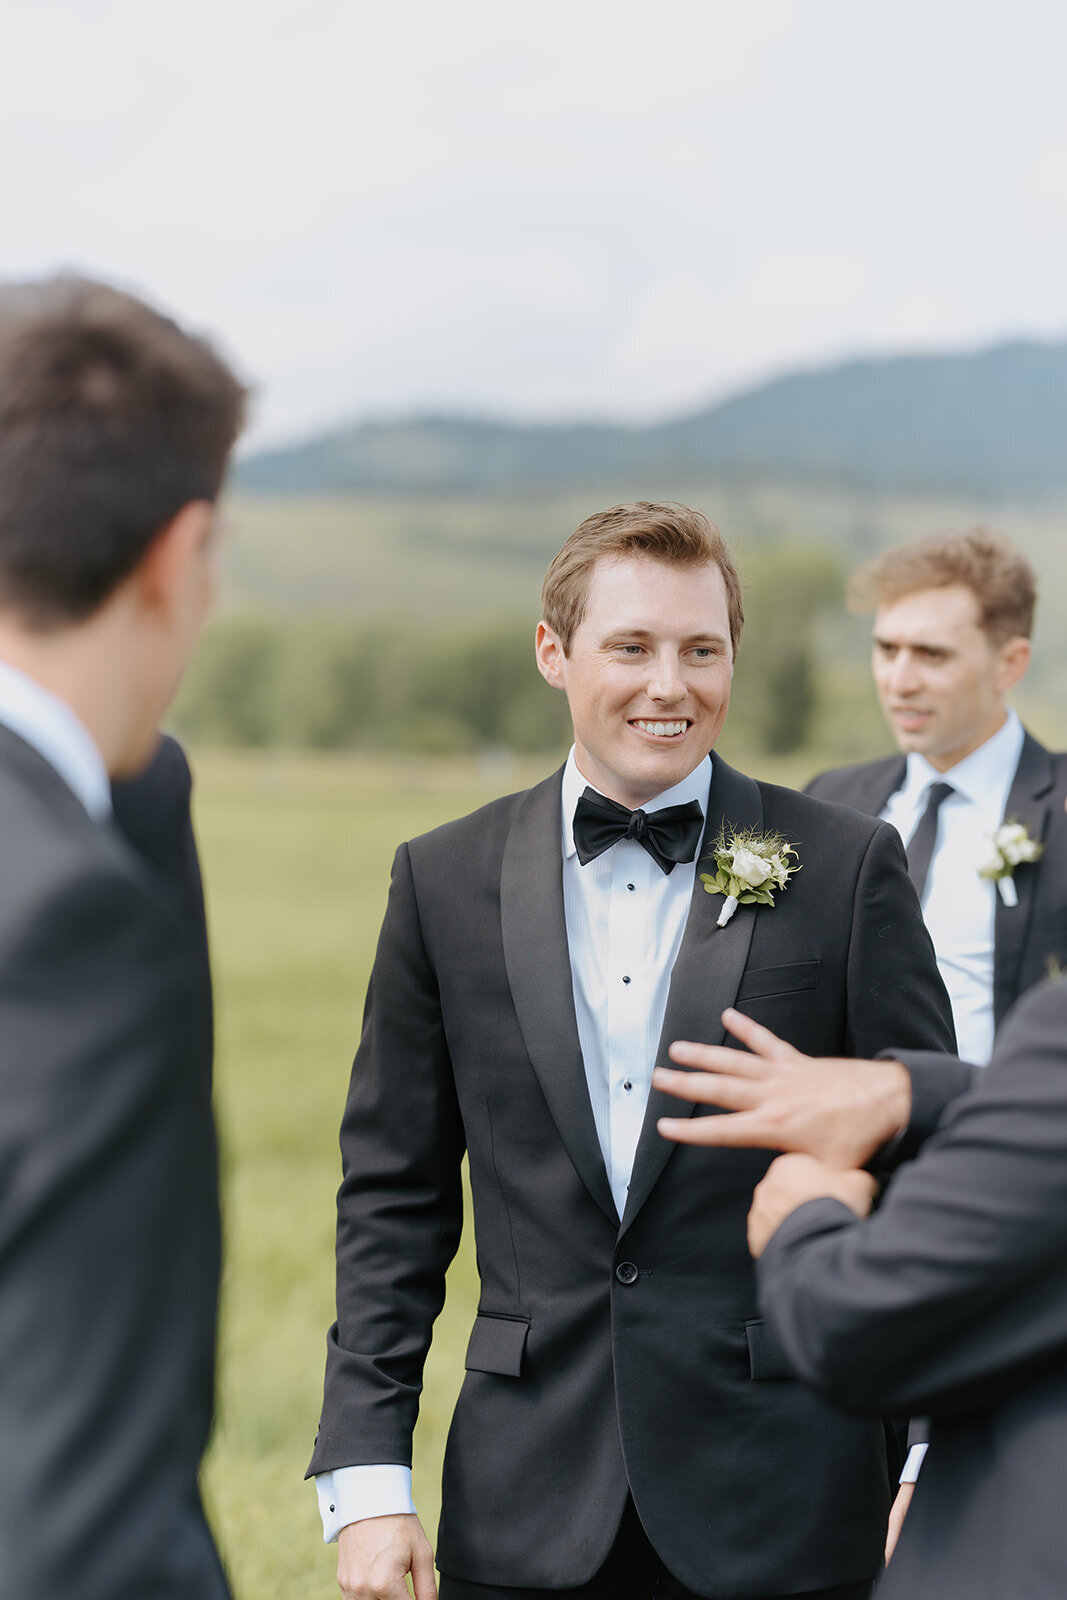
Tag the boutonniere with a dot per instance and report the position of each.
(749, 867)
(1009, 848)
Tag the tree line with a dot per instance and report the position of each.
(349, 683)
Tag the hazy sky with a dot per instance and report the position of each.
(562, 208)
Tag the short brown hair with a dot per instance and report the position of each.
(985, 561)
(662, 530)
(112, 418)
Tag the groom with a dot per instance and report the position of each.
(626, 1428)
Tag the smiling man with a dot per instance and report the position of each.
(626, 1428)
(953, 615)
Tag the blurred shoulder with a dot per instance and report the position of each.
(844, 784)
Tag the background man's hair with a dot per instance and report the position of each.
(664, 531)
(999, 576)
(112, 418)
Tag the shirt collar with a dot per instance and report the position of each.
(51, 728)
(980, 772)
(694, 787)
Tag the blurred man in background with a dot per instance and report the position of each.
(115, 431)
(978, 801)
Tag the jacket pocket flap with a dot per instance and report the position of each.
(766, 1359)
(497, 1344)
(787, 979)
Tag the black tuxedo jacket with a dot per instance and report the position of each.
(109, 1237)
(1033, 934)
(607, 1352)
(952, 1300)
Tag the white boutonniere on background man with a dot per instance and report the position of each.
(1010, 847)
(749, 868)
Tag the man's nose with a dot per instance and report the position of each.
(901, 674)
(666, 682)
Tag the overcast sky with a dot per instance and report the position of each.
(570, 207)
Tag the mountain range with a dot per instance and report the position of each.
(990, 423)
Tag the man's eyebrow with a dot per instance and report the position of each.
(622, 631)
(932, 645)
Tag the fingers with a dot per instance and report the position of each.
(766, 1047)
(707, 1089)
(422, 1577)
(739, 1132)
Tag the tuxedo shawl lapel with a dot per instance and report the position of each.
(706, 976)
(1028, 803)
(534, 932)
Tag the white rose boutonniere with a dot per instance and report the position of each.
(749, 868)
(1009, 848)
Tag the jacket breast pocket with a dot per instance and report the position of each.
(766, 1359)
(497, 1344)
(790, 978)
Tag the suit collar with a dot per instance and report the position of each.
(878, 782)
(59, 736)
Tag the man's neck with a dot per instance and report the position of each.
(80, 666)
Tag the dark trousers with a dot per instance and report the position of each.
(633, 1571)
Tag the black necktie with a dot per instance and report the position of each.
(669, 836)
(921, 844)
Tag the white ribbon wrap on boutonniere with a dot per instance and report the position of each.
(1010, 847)
(749, 868)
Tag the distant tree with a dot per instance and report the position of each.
(787, 588)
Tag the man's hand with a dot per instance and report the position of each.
(374, 1557)
(839, 1111)
(790, 1181)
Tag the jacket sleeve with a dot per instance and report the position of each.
(108, 1248)
(896, 996)
(400, 1205)
(953, 1293)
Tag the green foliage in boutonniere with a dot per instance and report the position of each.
(749, 868)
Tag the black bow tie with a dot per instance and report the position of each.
(669, 836)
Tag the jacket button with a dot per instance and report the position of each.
(626, 1272)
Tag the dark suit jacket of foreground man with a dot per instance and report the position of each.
(952, 1300)
(1027, 936)
(605, 1358)
(109, 1252)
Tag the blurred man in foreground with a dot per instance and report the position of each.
(977, 800)
(951, 1299)
(115, 430)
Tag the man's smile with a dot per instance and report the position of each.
(665, 729)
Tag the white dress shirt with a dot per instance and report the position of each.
(959, 906)
(625, 918)
(48, 724)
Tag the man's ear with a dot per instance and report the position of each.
(161, 577)
(550, 655)
(1013, 660)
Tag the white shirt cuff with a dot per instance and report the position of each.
(351, 1494)
(912, 1467)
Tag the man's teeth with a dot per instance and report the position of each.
(663, 730)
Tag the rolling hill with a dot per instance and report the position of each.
(990, 423)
